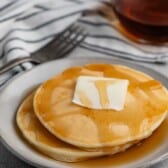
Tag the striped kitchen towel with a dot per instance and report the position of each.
(26, 26)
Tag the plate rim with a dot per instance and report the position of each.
(110, 60)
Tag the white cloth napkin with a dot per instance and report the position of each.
(26, 26)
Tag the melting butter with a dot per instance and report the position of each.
(100, 92)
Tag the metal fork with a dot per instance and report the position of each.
(58, 48)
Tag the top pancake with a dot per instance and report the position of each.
(145, 108)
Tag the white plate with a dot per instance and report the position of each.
(15, 91)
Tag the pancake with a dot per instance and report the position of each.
(40, 138)
(145, 108)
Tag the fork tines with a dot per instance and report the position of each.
(69, 39)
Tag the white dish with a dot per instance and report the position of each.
(15, 91)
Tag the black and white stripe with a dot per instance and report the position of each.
(6, 5)
(26, 26)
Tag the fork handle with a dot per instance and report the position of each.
(12, 64)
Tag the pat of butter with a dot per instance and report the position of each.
(100, 92)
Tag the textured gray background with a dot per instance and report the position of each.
(7, 160)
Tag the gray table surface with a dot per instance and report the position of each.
(7, 160)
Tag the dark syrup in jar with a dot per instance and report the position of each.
(145, 19)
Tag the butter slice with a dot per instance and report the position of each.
(100, 92)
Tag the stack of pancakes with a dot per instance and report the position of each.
(68, 132)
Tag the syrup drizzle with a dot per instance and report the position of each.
(102, 89)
